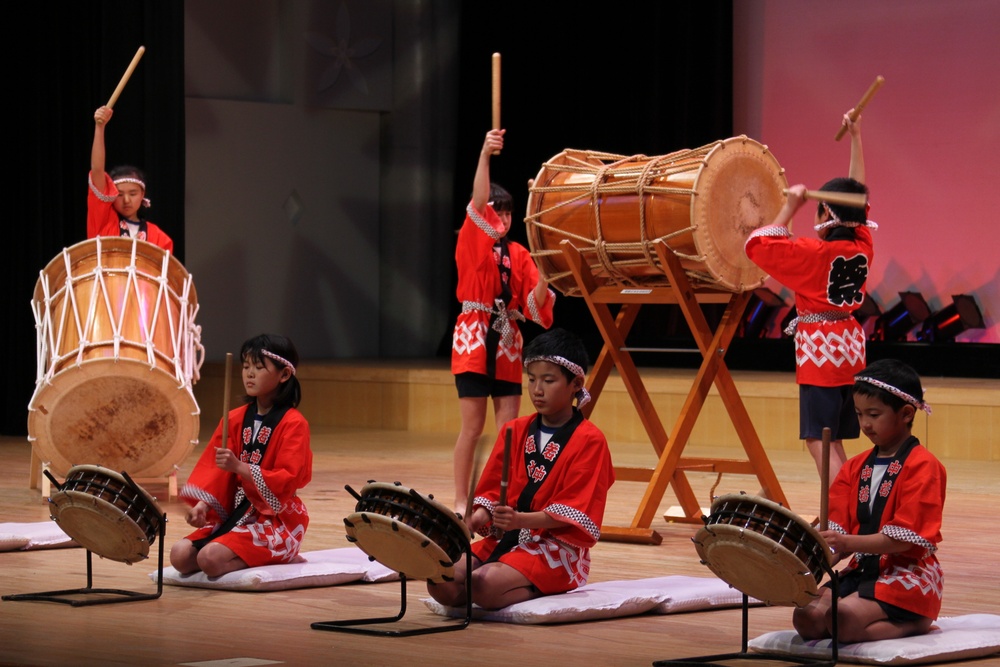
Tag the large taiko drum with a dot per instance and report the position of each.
(702, 203)
(117, 353)
(764, 550)
(408, 532)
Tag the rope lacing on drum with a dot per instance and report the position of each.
(638, 182)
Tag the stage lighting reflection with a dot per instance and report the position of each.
(896, 323)
(963, 314)
(762, 307)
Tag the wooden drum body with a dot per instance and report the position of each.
(762, 549)
(117, 353)
(408, 532)
(105, 514)
(703, 203)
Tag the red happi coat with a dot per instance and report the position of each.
(825, 276)
(913, 513)
(273, 528)
(574, 491)
(479, 283)
(103, 220)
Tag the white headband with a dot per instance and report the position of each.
(835, 221)
(272, 355)
(582, 396)
(129, 179)
(895, 391)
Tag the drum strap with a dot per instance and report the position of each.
(870, 516)
(539, 462)
(253, 452)
(499, 321)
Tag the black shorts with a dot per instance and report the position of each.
(478, 385)
(849, 584)
(820, 407)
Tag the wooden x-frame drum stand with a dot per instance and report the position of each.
(671, 466)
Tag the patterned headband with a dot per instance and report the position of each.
(582, 396)
(129, 179)
(835, 221)
(272, 355)
(895, 391)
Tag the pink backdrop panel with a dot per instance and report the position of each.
(931, 133)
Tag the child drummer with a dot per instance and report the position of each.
(886, 508)
(538, 542)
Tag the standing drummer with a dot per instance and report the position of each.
(828, 276)
(116, 201)
(498, 284)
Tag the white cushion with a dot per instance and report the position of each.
(610, 599)
(315, 568)
(41, 535)
(951, 638)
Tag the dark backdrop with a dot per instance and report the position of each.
(62, 63)
(629, 82)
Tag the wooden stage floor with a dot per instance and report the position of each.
(189, 626)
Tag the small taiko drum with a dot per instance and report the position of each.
(762, 549)
(117, 353)
(106, 514)
(702, 203)
(408, 532)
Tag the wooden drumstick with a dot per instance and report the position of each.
(824, 481)
(852, 199)
(879, 80)
(125, 77)
(225, 397)
(496, 94)
(474, 481)
(505, 471)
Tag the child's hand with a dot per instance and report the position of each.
(853, 126)
(493, 141)
(226, 460)
(796, 198)
(480, 517)
(197, 515)
(837, 543)
(505, 517)
(103, 115)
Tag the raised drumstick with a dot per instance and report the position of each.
(125, 77)
(879, 80)
(852, 199)
(496, 94)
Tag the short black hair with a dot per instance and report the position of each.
(289, 392)
(500, 199)
(845, 213)
(559, 343)
(894, 373)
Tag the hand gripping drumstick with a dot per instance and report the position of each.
(505, 471)
(824, 481)
(125, 77)
(225, 397)
(879, 80)
(496, 94)
(851, 199)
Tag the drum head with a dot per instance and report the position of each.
(745, 185)
(399, 547)
(755, 565)
(121, 414)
